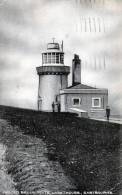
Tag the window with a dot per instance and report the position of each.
(96, 102)
(44, 58)
(53, 58)
(76, 101)
(61, 58)
(57, 58)
(49, 58)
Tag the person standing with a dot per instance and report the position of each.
(53, 107)
(59, 107)
(107, 112)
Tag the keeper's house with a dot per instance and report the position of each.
(83, 99)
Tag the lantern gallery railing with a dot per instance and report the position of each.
(41, 70)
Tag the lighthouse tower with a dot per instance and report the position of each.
(53, 76)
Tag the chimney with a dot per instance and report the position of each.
(76, 70)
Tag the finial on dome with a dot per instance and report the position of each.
(53, 39)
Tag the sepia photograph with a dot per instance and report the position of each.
(60, 97)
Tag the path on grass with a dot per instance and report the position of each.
(6, 182)
(111, 120)
(29, 164)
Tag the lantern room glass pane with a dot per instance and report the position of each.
(62, 58)
(44, 58)
(57, 58)
(53, 58)
(49, 58)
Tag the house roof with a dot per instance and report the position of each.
(80, 86)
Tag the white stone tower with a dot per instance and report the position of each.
(53, 76)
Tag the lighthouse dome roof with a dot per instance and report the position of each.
(53, 47)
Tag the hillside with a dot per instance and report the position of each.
(87, 150)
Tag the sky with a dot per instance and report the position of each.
(90, 28)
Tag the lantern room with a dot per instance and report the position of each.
(53, 55)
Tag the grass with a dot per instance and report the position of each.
(88, 150)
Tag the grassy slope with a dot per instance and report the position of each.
(88, 150)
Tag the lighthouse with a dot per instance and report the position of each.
(53, 76)
(54, 94)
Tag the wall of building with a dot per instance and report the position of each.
(63, 103)
(86, 103)
(49, 87)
